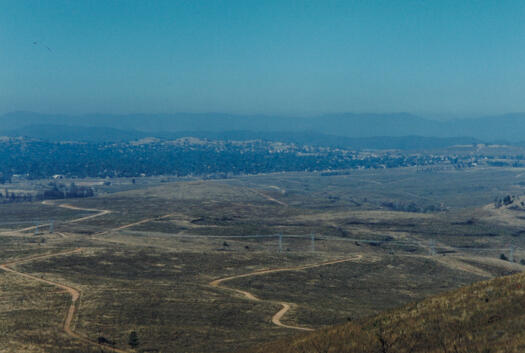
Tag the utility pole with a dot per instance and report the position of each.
(432, 249)
(36, 228)
(511, 253)
(280, 242)
(312, 236)
(51, 226)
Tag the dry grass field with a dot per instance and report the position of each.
(148, 264)
(485, 317)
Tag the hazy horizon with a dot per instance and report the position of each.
(291, 58)
(429, 116)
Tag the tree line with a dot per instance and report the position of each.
(53, 191)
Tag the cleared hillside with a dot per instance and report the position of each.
(484, 317)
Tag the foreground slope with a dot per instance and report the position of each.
(484, 317)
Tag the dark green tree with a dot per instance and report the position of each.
(133, 340)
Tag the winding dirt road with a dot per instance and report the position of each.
(146, 220)
(74, 293)
(276, 319)
(68, 206)
(71, 207)
(98, 213)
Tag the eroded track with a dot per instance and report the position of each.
(276, 319)
(73, 292)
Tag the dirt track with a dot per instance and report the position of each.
(70, 207)
(270, 198)
(74, 293)
(276, 319)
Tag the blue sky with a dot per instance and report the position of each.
(271, 57)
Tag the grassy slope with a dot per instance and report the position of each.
(484, 317)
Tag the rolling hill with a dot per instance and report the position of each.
(484, 317)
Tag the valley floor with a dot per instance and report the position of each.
(199, 266)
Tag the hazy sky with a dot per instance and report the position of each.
(272, 57)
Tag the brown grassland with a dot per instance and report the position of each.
(150, 262)
(484, 317)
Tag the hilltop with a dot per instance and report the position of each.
(484, 317)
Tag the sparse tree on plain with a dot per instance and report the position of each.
(133, 340)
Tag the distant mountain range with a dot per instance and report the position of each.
(74, 133)
(57, 133)
(348, 129)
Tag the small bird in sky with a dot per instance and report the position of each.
(45, 46)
